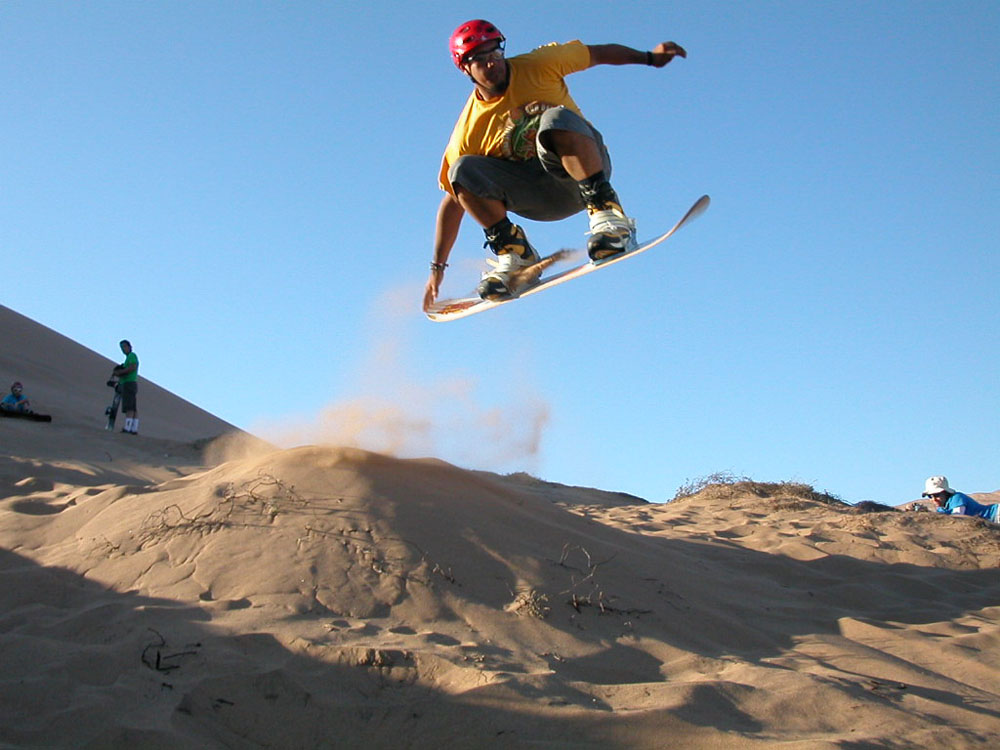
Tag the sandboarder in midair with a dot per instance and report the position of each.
(521, 144)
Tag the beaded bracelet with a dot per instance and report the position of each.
(438, 266)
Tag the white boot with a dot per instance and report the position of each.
(611, 232)
(514, 253)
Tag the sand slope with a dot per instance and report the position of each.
(67, 380)
(329, 597)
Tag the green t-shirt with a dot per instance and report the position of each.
(132, 377)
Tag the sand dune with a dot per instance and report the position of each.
(152, 596)
(67, 380)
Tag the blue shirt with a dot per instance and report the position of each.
(13, 402)
(963, 505)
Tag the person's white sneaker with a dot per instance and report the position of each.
(514, 253)
(611, 232)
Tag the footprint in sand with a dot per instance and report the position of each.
(441, 639)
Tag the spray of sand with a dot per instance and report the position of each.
(404, 413)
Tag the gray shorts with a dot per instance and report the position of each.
(538, 189)
(129, 392)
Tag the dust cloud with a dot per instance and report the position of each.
(407, 414)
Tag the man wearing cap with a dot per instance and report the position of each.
(957, 503)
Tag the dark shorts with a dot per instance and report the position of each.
(129, 391)
(539, 188)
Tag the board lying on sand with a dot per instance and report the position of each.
(30, 415)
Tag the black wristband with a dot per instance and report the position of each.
(438, 266)
(649, 57)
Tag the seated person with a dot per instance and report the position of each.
(16, 400)
(956, 503)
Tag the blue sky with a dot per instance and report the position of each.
(247, 191)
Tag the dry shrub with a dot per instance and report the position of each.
(725, 484)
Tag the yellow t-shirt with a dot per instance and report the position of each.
(505, 127)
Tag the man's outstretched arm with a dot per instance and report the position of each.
(619, 54)
(449, 219)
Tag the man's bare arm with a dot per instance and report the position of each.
(619, 54)
(449, 220)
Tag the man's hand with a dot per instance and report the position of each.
(433, 286)
(664, 52)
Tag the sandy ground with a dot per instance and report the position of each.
(160, 591)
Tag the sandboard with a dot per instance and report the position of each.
(533, 280)
(111, 412)
(29, 415)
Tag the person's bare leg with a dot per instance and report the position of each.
(506, 240)
(579, 154)
(611, 230)
(486, 211)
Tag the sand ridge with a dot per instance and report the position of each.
(321, 587)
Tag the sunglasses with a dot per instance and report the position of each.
(483, 57)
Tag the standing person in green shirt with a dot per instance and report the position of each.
(128, 377)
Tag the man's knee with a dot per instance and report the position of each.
(465, 171)
(563, 119)
(563, 141)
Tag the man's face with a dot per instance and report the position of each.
(125, 348)
(487, 66)
(940, 498)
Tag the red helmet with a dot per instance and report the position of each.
(470, 35)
